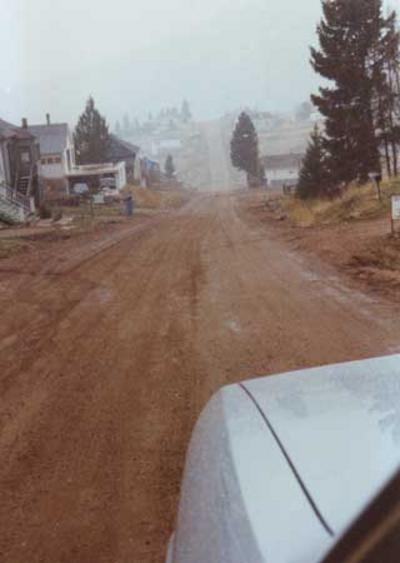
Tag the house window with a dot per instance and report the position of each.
(25, 157)
(51, 160)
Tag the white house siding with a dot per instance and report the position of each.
(120, 177)
(56, 142)
(282, 169)
(53, 176)
(282, 176)
(51, 171)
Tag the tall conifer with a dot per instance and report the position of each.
(244, 149)
(350, 34)
(313, 181)
(91, 136)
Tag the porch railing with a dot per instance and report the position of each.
(26, 203)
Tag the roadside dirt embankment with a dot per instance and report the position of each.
(352, 233)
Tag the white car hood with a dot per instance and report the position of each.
(340, 428)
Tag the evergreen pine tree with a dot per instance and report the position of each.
(91, 136)
(349, 35)
(313, 180)
(244, 148)
(388, 94)
(169, 167)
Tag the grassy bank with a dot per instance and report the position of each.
(355, 204)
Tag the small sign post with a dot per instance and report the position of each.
(395, 211)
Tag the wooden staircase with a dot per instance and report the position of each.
(23, 185)
(15, 208)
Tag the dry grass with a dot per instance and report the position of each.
(356, 203)
(378, 264)
(146, 198)
(383, 254)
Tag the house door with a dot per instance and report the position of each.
(24, 159)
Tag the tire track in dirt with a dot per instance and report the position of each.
(99, 401)
(145, 294)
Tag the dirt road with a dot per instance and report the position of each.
(218, 156)
(105, 366)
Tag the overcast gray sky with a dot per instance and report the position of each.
(136, 56)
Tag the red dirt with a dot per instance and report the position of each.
(363, 250)
(108, 353)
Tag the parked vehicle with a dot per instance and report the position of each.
(294, 469)
(108, 183)
(111, 195)
(81, 189)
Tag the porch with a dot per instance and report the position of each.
(94, 174)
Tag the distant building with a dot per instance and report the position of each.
(282, 169)
(122, 151)
(162, 146)
(265, 121)
(57, 156)
(149, 172)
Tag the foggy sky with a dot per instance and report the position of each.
(136, 56)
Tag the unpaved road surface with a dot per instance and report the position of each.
(218, 156)
(105, 365)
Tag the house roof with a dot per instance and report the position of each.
(53, 138)
(120, 150)
(282, 161)
(8, 131)
(5, 127)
